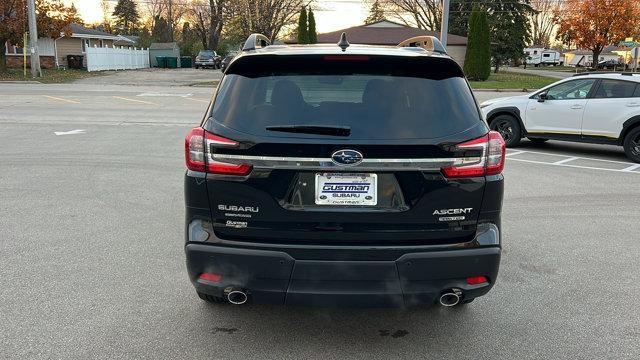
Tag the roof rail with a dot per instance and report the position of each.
(255, 41)
(625, 73)
(426, 42)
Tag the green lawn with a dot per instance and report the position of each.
(49, 76)
(508, 80)
(554, 68)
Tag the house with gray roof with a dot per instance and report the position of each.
(54, 52)
(385, 32)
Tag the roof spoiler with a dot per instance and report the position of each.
(426, 42)
(256, 41)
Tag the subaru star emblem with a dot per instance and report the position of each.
(346, 157)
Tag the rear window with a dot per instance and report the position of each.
(376, 97)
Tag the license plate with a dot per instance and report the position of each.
(346, 189)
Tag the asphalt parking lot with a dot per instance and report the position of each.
(92, 263)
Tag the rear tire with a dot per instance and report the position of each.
(538, 141)
(631, 145)
(210, 298)
(509, 127)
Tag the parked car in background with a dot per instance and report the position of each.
(208, 58)
(609, 64)
(591, 107)
(227, 59)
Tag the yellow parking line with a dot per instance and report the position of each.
(134, 100)
(61, 99)
(192, 99)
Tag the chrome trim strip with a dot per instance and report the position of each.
(310, 163)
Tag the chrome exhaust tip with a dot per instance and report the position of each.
(236, 297)
(450, 297)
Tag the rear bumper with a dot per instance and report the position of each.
(417, 277)
(205, 63)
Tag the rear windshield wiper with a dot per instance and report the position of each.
(312, 129)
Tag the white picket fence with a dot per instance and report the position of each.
(116, 58)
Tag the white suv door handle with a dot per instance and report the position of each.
(577, 106)
(633, 104)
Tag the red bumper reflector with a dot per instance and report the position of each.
(475, 280)
(210, 277)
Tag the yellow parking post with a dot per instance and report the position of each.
(24, 55)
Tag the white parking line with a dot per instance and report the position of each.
(72, 132)
(581, 157)
(134, 100)
(631, 168)
(575, 166)
(200, 100)
(515, 153)
(163, 94)
(565, 160)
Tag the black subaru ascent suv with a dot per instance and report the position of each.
(343, 175)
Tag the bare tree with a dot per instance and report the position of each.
(267, 17)
(425, 14)
(105, 6)
(176, 11)
(543, 24)
(208, 17)
(151, 10)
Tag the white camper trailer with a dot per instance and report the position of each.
(540, 56)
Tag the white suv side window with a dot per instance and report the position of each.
(615, 89)
(571, 90)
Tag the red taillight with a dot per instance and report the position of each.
(194, 150)
(491, 161)
(198, 157)
(210, 277)
(475, 280)
(496, 154)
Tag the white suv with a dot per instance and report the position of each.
(593, 108)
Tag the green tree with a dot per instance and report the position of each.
(160, 31)
(477, 60)
(303, 32)
(311, 33)
(508, 25)
(510, 31)
(188, 40)
(145, 37)
(376, 13)
(126, 15)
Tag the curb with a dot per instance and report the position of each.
(19, 82)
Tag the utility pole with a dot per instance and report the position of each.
(36, 71)
(444, 30)
(170, 20)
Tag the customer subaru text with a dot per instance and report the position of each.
(343, 175)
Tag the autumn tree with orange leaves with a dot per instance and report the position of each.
(52, 16)
(594, 25)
